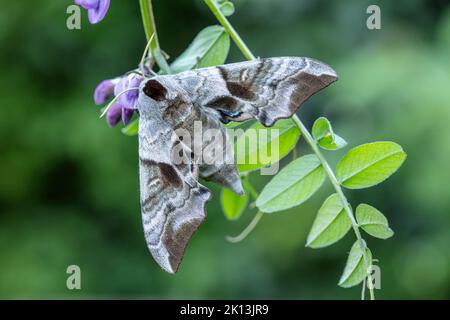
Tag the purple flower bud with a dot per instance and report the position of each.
(126, 115)
(87, 4)
(128, 99)
(114, 114)
(126, 102)
(120, 86)
(96, 9)
(104, 91)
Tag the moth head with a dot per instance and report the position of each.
(155, 90)
(159, 92)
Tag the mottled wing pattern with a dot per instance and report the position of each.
(172, 200)
(265, 89)
(183, 116)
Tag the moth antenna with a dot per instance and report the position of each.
(115, 99)
(147, 47)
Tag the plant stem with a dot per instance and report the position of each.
(247, 230)
(337, 186)
(214, 7)
(247, 185)
(363, 290)
(254, 194)
(309, 139)
(148, 20)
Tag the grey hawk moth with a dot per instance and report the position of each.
(172, 198)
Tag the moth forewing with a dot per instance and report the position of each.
(172, 199)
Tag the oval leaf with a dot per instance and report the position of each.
(132, 128)
(331, 224)
(369, 164)
(356, 268)
(373, 222)
(227, 8)
(209, 48)
(324, 135)
(160, 60)
(233, 205)
(259, 146)
(293, 185)
(232, 125)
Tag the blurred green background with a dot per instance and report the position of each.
(69, 184)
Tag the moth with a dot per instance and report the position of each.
(172, 198)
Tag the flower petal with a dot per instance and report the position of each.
(87, 4)
(104, 91)
(121, 86)
(114, 114)
(128, 99)
(126, 115)
(95, 15)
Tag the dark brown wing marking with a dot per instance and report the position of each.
(265, 89)
(172, 210)
(172, 200)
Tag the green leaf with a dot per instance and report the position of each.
(132, 128)
(248, 187)
(373, 222)
(233, 125)
(209, 48)
(324, 135)
(369, 164)
(356, 268)
(158, 55)
(227, 7)
(233, 205)
(331, 224)
(293, 185)
(260, 146)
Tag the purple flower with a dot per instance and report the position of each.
(117, 112)
(104, 91)
(114, 114)
(125, 105)
(96, 9)
(126, 115)
(128, 99)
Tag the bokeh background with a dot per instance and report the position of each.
(69, 184)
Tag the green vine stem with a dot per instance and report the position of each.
(337, 186)
(258, 216)
(247, 230)
(231, 31)
(148, 20)
(363, 290)
(307, 136)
